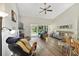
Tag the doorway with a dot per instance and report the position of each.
(36, 30)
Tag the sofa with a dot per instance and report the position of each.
(57, 35)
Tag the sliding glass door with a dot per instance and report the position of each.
(36, 30)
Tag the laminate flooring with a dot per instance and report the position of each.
(49, 47)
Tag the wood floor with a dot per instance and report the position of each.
(48, 48)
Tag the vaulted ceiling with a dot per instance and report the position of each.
(33, 9)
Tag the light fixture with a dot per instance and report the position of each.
(11, 31)
(46, 8)
(3, 14)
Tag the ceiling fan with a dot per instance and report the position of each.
(46, 8)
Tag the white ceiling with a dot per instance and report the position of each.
(33, 9)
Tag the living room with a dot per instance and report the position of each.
(61, 19)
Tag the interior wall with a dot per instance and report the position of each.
(51, 28)
(27, 21)
(0, 36)
(7, 22)
(1, 9)
(78, 28)
(70, 16)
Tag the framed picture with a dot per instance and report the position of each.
(13, 16)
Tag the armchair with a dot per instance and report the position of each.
(21, 47)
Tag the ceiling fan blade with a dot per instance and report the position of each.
(41, 11)
(49, 10)
(41, 8)
(48, 6)
(45, 12)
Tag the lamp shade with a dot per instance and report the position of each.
(3, 14)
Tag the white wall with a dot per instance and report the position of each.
(27, 21)
(70, 16)
(78, 28)
(51, 28)
(7, 22)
